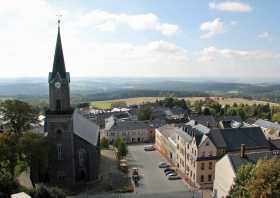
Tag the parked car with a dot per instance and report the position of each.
(163, 165)
(176, 177)
(171, 174)
(149, 148)
(168, 172)
(168, 169)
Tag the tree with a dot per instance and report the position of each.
(7, 182)
(266, 182)
(257, 181)
(17, 115)
(35, 149)
(104, 143)
(122, 149)
(243, 177)
(144, 113)
(9, 152)
(117, 141)
(276, 117)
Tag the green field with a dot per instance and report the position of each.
(141, 100)
(101, 104)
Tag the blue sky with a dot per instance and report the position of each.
(184, 38)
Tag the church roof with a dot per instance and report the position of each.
(85, 128)
(58, 63)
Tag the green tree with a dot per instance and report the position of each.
(244, 176)
(276, 117)
(122, 149)
(257, 181)
(104, 143)
(144, 113)
(117, 142)
(34, 150)
(17, 115)
(266, 182)
(7, 182)
(9, 152)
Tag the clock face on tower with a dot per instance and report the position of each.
(57, 85)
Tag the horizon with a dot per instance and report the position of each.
(205, 39)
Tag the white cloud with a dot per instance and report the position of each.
(212, 28)
(107, 21)
(28, 41)
(211, 54)
(230, 6)
(264, 35)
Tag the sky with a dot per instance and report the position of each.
(149, 38)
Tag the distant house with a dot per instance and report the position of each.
(229, 165)
(166, 141)
(206, 120)
(230, 122)
(270, 129)
(130, 131)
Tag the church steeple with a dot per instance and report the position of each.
(59, 79)
(58, 63)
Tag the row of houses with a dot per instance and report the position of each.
(197, 151)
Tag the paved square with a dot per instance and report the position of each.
(152, 179)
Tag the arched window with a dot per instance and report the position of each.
(82, 157)
(58, 105)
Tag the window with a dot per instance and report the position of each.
(188, 146)
(60, 175)
(202, 166)
(209, 178)
(210, 153)
(195, 153)
(82, 156)
(202, 178)
(207, 143)
(58, 105)
(59, 151)
(210, 165)
(203, 154)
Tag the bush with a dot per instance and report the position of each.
(43, 191)
(104, 143)
(7, 183)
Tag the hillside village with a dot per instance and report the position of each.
(165, 148)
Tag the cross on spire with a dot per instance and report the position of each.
(59, 16)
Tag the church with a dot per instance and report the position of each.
(75, 139)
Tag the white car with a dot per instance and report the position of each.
(171, 174)
(149, 148)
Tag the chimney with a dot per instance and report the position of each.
(242, 151)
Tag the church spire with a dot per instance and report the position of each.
(58, 63)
